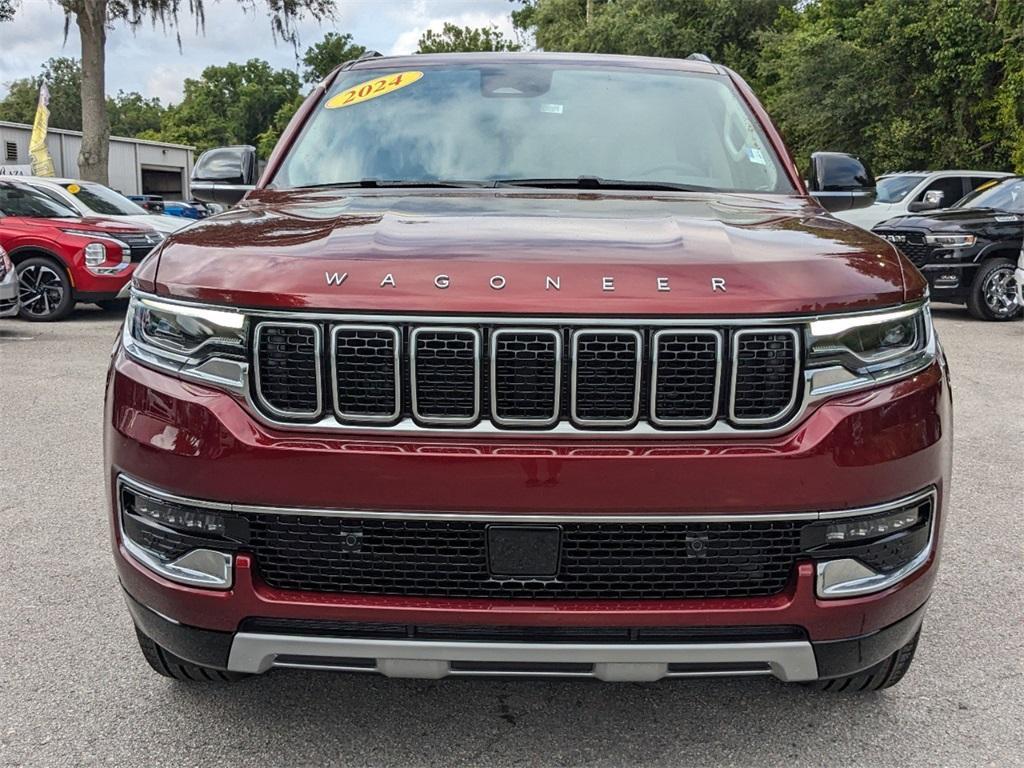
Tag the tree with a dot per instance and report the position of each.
(456, 39)
(132, 114)
(321, 59)
(232, 104)
(94, 17)
(63, 78)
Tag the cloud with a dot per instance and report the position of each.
(148, 59)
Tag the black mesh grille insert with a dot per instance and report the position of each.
(913, 246)
(607, 376)
(365, 372)
(686, 376)
(445, 373)
(526, 375)
(287, 369)
(599, 560)
(766, 362)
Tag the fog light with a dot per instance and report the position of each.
(856, 530)
(178, 517)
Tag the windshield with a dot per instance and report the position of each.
(1004, 195)
(102, 200)
(525, 122)
(18, 200)
(892, 189)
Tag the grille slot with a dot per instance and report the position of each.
(288, 379)
(687, 369)
(445, 381)
(526, 376)
(599, 560)
(606, 372)
(365, 369)
(913, 246)
(140, 244)
(765, 374)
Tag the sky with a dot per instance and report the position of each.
(148, 60)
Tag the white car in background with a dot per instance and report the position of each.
(91, 199)
(915, 191)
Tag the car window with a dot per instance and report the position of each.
(892, 189)
(104, 201)
(976, 182)
(1005, 195)
(533, 121)
(951, 187)
(55, 196)
(22, 200)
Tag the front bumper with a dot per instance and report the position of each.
(853, 451)
(9, 294)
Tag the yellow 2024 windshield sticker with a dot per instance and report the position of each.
(371, 89)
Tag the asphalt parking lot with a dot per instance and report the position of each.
(74, 690)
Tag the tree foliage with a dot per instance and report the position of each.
(904, 83)
(321, 58)
(232, 104)
(63, 78)
(455, 39)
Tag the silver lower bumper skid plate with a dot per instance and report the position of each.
(790, 661)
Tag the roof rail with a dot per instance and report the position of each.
(699, 57)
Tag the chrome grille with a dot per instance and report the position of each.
(764, 378)
(526, 377)
(687, 374)
(365, 366)
(570, 376)
(606, 377)
(446, 375)
(288, 369)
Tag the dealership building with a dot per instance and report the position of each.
(137, 167)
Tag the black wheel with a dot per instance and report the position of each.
(993, 295)
(169, 665)
(113, 305)
(885, 674)
(44, 289)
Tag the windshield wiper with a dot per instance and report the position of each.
(596, 182)
(384, 183)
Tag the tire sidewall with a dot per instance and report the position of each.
(976, 304)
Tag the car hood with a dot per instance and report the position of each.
(516, 251)
(163, 224)
(951, 219)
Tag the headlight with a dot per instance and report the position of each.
(951, 241)
(95, 254)
(872, 343)
(5, 263)
(197, 342)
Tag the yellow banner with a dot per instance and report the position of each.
(42, 163)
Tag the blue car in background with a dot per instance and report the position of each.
(186, 210)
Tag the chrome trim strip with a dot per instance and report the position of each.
(384, 418)
(638, 376)
(446, 421)
(557, 405)
(535, 320)
(719, 355)
(797, 364)
(846, 577)
(515, 517)
(789, 661)
(318, 343)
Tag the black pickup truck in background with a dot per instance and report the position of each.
(968, 252)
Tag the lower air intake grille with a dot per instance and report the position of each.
(449, 558)
(765, 372)
(288, 368)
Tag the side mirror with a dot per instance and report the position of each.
(932, 201)
(840, 182)
(224, 175)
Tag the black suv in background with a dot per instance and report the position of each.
(968, 252)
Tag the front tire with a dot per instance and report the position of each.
(167, 664)
(993, 295)
(44, 290)
(885, 674)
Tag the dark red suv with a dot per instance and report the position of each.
(529, 364)
(62, 258)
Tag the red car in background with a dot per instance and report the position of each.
(62, 258)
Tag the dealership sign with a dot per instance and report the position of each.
(15, 170)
